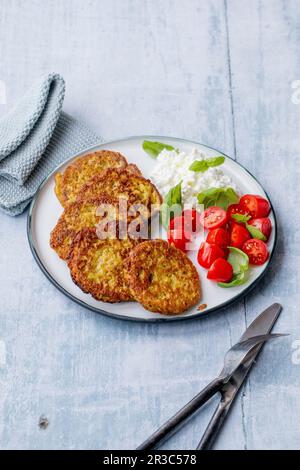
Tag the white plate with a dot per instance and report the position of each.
(45, 210)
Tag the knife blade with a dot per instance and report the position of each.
(262, 324)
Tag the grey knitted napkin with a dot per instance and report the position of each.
(35, 137)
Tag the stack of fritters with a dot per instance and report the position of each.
(105, 247)
(92, 190)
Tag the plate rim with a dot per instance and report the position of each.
(123, 317)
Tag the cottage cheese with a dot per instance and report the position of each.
(172, 167)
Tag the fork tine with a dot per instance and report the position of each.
(237, 354)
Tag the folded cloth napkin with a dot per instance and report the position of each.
(35, 137)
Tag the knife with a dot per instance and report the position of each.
(262, 324)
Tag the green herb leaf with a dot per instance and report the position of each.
(222, 201)
(154, 148)
(171, 206)
(240, 264)
(238, 260)
(241, 218)
(222, 197)
(203, 165)
(208, 194)
(237, 280)
(216, 161)
(231, 196)
(199, 165)
(255, 232)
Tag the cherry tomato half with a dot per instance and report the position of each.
(238, 235)
(213, 217)
(208, 253)
(192, 218)
(219, 236)
(256, 250)
(220, 271)
(263, 224)
(256, 206)
(235, 209)
(179, 239)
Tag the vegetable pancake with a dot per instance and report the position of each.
(162, 278)
(97, 266)
(68, 183)
(124, 183)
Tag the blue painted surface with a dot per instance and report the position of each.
(216, 71)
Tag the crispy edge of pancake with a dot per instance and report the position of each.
(122, 178)
(63, 180)
(134, 169)
(173, 267)
(110, 289)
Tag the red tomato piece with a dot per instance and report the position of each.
(220, 271)
(256, 206)
(235, 209)
(256, 250)
(238, 235)
(208, 253)
(192, 218)
(179, 239)
(218, 236)
(263, 224)
(213, 217)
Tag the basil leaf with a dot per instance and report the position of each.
(206, 195)
(238, 260)
(241, 217)
(203, 165)
(231, 196)
(222, 197)
(199, 166)
(215, 161)
(237, 280)
(240, 265)
(255, 232)
(210, 203)
(222, 201)
(154, 148)
(171, 206)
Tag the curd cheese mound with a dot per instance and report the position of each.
(172, 167)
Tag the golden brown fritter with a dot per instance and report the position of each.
(68, 183)
(125, 183)
(162, 278)
(103, 212)
(97, 266)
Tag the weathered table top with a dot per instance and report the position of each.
(219, 72)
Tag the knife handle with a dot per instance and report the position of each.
(214, 425)
(173, 424)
